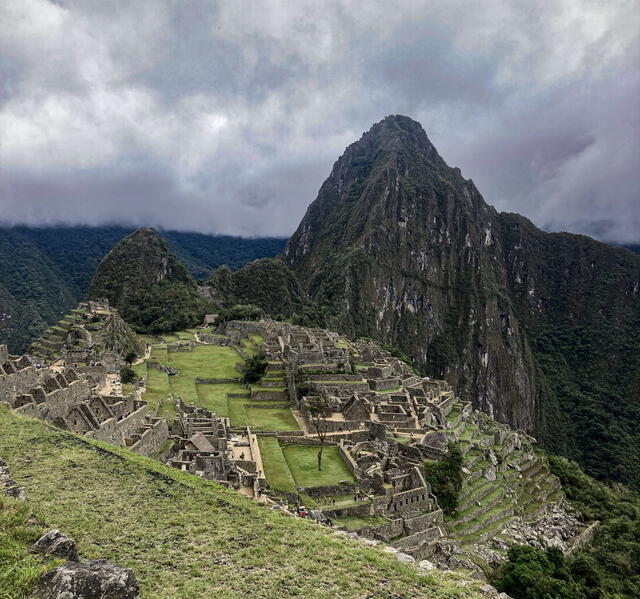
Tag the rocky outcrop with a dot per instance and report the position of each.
(8, 486)
(400, 247)
(96, 579)
(57, 544)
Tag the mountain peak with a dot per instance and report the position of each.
(397, 132)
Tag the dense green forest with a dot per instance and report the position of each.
(607, 568)
(45, 271)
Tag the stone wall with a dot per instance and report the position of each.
(269, 396)
(350, 462)
(384, 532)
(384, 384)
(59, 402)
(152, 438)
(117, 431)
(345, 488)
(19, 382)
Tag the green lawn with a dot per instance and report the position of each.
(271, 419)
(276, 469)
(358, 522)
(157, 391)
(303, 464)
(183, 536)
(207, 362)
(184, 386)
(140, 369)
(159, 354)
(237, 413)
(213, 396)
(248, 347)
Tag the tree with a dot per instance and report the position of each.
(445, 478)
(254, 368)
(127, 375)
(130, 357)
(318, 408)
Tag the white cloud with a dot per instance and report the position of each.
(228, 117)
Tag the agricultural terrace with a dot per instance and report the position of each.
(222, 392)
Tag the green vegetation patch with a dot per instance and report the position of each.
(213, 396)
(19, 569)
(303, 463)
(207, 362)
(276, 469)
(271, 419)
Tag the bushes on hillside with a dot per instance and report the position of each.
(533, 573)
(127, 375)
(445, 478)
(607, 568)
(254, 368)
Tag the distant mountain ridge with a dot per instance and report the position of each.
(541, 330)
(46, 271)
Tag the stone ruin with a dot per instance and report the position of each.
(71, 399)
(387, 422)
(93, 332)
(200, 445)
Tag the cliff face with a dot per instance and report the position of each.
(400, 247)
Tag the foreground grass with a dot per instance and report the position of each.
(19, 569)
(188, 538)
(303, 464)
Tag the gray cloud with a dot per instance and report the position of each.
(226, 117)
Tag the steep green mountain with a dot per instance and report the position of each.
(32, 292)
(46, 271)
(267, 283)
(153, 292)
(540, 330)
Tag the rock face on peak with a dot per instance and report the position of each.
(540, 330)
(146, 282)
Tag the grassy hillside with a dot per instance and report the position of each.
(266, 283)
(185, 537)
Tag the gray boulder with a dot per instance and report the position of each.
(55, 543)
(97, 579)
(8, 486)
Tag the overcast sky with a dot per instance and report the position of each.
(227, 116)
